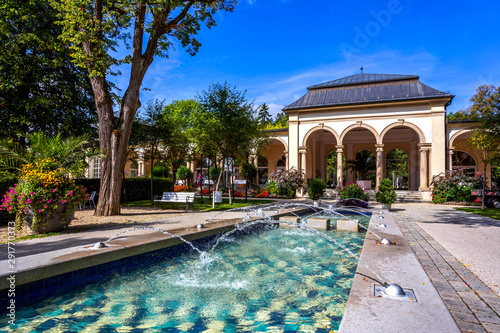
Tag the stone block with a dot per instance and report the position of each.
(291, 219)
(347, 225)
(321, 223)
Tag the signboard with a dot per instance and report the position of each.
(217, 196)
(240, 182)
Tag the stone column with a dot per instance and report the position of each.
(303, 159)
(424, 169)
(286, 159)
(340, 169)
(350, 156)
(380, 165)
(450, 157)
(322, 162)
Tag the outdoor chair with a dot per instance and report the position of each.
(91, 200)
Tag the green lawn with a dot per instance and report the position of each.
(488, 212)
(205, 206)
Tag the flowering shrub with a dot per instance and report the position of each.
(207, 191)
(262, 194)
(41, 190)
(454, 186)
(286, 182)
(239, 194)
(353, 191)
(183, 188)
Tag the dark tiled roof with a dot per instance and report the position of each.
(363, 79)
(373, 88)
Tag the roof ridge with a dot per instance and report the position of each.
(363, 78)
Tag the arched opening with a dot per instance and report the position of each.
(363, 167)
(463, 161)
(396, 168)
(319, 143)
(401, 147)
(273, 152)
(281, 164)
(262, 167)
(359, 144)
(331, 169)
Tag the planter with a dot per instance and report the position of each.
(58, 220)
(386, 206)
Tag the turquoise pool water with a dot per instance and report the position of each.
(276, 280)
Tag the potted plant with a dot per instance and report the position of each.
(386, 194)
(316, 190)
(353, 195)
(44, 198)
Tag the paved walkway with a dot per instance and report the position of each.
(475, 307)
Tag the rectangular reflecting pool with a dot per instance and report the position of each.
(270, 279)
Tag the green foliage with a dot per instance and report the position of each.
(133, 188)
(161, 171)
(70, 154)
(279, 122)
(386, 193)
(363, 164)
(140, 188)
(454, 186)
(213, 173)
(263, 116)
(184, 173)
(178, 134)
(249, 171)
(316, 188)
(41, 90)
(226, 122)
(353, 191)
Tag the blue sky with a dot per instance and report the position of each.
(274, 49)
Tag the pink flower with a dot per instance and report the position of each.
(39, 210)
(8, 208)
(26, 210)
(32, 193)
(46, 206)
(49, 201)
(63, 201)
(29, 201)
(40, 201)
(53, 190)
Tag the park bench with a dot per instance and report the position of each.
(176, 197)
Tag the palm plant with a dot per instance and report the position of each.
(70, 154)
(363, 164)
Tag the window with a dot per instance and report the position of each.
(96, 172)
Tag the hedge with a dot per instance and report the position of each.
(133, 189)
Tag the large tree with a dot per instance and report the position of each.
(231, 123)
(94, 28)
(41, 90)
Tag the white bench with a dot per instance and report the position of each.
(177, 197)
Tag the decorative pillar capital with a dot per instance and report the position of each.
(379, 147)
(340, 148)
(424, 146)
